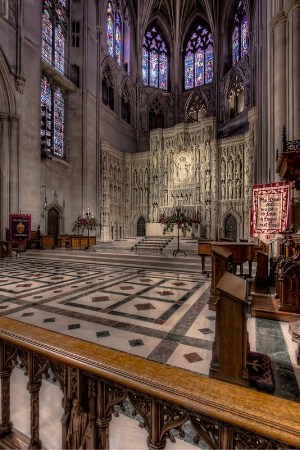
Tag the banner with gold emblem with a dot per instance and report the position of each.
(20, 228)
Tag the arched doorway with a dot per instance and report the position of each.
(231, 228)
(141, 227)
(53, 222)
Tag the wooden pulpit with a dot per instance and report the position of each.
(221, 263)
(229, 356)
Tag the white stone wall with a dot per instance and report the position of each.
(186, 167)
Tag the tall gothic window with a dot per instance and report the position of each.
(199, 58)
(54, 32)
(240, 45)
(155, 60)
(118, 32)
(52, 119)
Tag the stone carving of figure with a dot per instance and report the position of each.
(182, 168)
(135, 176)
(238, 169)
(223, 190)
(207, 212)
(239, 189)
(207, 180)
(230, 189)
(77, 426)
(230, 168)
(223, 170)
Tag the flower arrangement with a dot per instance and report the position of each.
(85, 223)
(178, 218)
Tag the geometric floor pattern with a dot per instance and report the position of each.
(159, 315)
(148, 313)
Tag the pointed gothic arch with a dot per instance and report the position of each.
(141, 226)
(55, 217)
(196, 107)
(157, 110)
(230, 225)
(127, 96)
(235, 93)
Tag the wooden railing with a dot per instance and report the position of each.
(95, 379)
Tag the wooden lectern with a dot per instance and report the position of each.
(229, 356)
(221, 263)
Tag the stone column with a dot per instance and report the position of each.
(14, 166)
(293, 82)
(279, 84)
(4, 174)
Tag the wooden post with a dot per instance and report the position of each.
(104, 416)
(156, 441)
(33, 386)
(6, 368)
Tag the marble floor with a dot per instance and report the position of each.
(159, 314)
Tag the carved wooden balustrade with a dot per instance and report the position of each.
(95, 380)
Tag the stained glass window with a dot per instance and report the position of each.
(118, 38)
(46, 115)
(110, 29)
(199, 58)
(59, 110)
(47, 36)
(54, 31)
(155, 60)
(59, 48)
(52, 118)
(117, 33)
(240, 34)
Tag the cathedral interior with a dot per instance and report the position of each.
(133, 108)
(128, 111)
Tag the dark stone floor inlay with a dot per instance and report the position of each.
(103, 298)
(205, 330)
(136, 342)
(193, 357)
(164, 293)
(100, 334)
(73, 326)
(144, 307)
